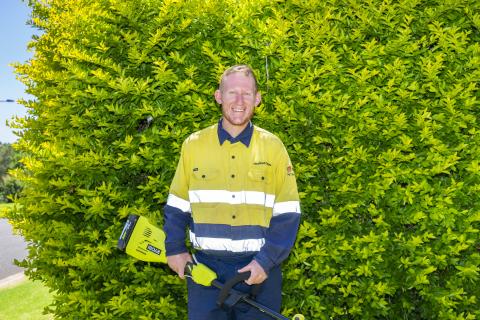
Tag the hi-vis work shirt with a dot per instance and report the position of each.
(237, 198)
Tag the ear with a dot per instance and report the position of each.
(218, 96)
(258, 98)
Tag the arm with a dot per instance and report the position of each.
(283, 228)
(177, 215)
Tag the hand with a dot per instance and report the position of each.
(178, 262)
(257, 274)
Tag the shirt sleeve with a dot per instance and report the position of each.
(283, 228)
(177, 211)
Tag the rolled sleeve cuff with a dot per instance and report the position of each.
(176, 222)
(174, 248)
(264, 262)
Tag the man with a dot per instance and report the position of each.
(234, 189)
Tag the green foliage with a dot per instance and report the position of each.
(376, 101)
(4, 207)
(9, 159)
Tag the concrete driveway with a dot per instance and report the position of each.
(11, 247)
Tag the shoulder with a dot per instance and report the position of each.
(202, 135)
(265, 136)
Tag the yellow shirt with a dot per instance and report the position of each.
(241, 199)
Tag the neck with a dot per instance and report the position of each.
(233, 130)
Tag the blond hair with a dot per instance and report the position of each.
(240, 68)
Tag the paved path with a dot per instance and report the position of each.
(11, 247)
(12, 281)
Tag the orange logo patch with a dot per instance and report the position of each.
(289, 170)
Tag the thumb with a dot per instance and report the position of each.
(181, 273)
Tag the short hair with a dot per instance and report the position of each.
(242, 68)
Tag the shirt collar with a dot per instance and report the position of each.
(244, 137)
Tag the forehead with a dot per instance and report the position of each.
(238, 79)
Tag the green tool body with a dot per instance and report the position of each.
(142, 240)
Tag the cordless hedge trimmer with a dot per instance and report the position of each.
(146, 242)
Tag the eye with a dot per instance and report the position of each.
(247, 94)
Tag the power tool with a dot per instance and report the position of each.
(146, 242)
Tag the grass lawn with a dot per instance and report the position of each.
(24, 301)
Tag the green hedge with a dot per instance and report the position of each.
(376, 101)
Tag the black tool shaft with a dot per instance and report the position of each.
(253, 303)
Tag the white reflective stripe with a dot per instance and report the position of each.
(286, 207)
(224, 244)
(178, 203)
(239, 197)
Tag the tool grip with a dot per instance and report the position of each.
(228, 286)
(189, 269)
(200, 273)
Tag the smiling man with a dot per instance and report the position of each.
(235, 191)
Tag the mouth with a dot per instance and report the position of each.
(238, 110)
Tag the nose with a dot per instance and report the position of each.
(239, 98)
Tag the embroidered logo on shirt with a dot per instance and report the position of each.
(262, 163)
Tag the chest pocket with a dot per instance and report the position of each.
(205, 178)
(259, 175)
(259, 179)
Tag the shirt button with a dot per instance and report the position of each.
(233, 176)
(203, 176)
(233, 216)
(233, 196)
(233, 157)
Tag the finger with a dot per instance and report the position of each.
(244, 269)
(181, 274)
(252, 279)
(257, 280)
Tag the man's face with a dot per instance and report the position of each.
(238, 98)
